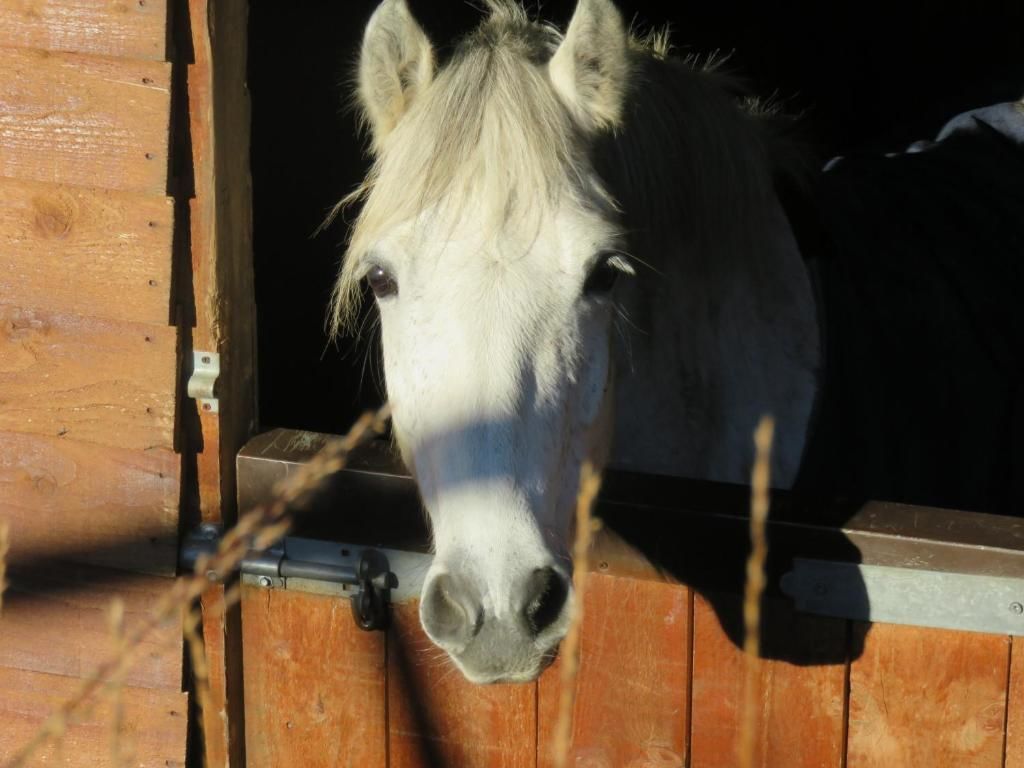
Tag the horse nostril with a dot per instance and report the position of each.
(547, 591)
(449, 611)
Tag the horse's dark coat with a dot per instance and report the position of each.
(918, 264)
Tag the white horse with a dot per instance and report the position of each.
(531, 205)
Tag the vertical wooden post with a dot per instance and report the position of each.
(220, 236)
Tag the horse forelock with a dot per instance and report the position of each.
(489, 138)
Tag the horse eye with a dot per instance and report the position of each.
(601, 278)
(381, 282)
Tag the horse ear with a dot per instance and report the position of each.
(591, 66)
(395, 64)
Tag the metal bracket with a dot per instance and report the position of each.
(202, 384)
(928, 598)
(361, 574)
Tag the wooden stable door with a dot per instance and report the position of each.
(660, 686)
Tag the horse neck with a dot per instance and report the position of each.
(722, 328)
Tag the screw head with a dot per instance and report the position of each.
(265, 581)
(211, 575)
(1017, 608)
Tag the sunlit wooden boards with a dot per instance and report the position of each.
(928, 697)
(87, 120)
(153, 737)
(632, 699)
(89, 370)
(314, 683)
(660, 684)
(799, 716)
(133, 29)
(1015, 707)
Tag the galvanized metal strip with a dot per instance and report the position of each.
(882, 593)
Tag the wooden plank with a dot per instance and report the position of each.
(42, 606)
(1015, 707)
(632, 685)
(135, 29)
(800, 718)
(102, 505)
(88, 379)
(153, 736)
(222, 262)
(217, 121)
(117, 247)
(923, 696)
(437, 718)
(314, 682)
(88, 120)
(223, 734)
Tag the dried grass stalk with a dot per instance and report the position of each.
(759, 501)
(586, 525)
(258, 528)
(116, 684)
(191, 621)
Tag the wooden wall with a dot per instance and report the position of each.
(660, 686)
(89, 367)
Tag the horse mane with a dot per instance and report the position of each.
(691, 159)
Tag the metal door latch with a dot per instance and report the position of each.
(360, 573)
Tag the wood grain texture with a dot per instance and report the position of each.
(43, 606)
(632, 685)
(1015, 707)
(88, 120)
(437, 718)
(154, 725)
(135, 29)
(222, 260)
(99, 381)
(924, 697)
(314, 683)
(101, 505)
(83, 251)
(222, 728)
(800, 720)
(217, 120)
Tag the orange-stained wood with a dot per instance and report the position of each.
(800, 720)
(153, 736)
(56, 620)
(84, 251)
(314, 683)
(222, 729)
(632, 685)
(437, 718)
(927, 697)
(87, 503)
(80, 378)
(90, 120)
(1015, 708)
(135, 29)
(218, 121)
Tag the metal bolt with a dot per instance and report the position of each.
(206, 360)
(208, 531)
(212, 576)
(1017, 608)
(265, 581)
